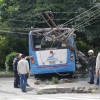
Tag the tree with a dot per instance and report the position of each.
(3, 49)
(17, 17)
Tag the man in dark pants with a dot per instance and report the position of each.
(16, 76)
(91, 65)
(97, 83)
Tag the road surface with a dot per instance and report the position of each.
(7, 92)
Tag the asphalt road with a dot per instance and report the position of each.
(51, 97)
(7, 92)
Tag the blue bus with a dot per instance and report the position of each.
(48, 56)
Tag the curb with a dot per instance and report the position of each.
(6, 75)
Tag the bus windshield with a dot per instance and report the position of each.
(45, 42)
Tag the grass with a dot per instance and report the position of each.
(54, 81)
(40, 93)
(3, 72)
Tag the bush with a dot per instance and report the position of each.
(83, 47)
(9, 61)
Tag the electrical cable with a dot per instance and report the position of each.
(3, 31)
(71, 19)
(92, 14)
(80, 15)
(86, 22)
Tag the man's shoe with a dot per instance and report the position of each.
(16, 87)
(24, 91)
(97, 83)
(27, 85)
(91, 82)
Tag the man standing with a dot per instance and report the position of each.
(16, 76)
(98, 69)
(91, 64)
(23, 69)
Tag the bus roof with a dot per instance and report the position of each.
(49, 29)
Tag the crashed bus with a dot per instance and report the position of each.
(50, 56)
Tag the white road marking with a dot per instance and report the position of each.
(19, 99)
(71, 98)
(47, 99)
(81, 97)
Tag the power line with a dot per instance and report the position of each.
(73, 19)
(87, 20)
(95, 41)
(63, 12)
(3, 31)
(25, 21)
(44, 21)
(90, 24)
(37, 15)
(92, 15)
(59, 19)
(32, 21)
(79, 25)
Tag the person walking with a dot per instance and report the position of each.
(98, 69)
(23, 69)
(91, 64)
(16, 76)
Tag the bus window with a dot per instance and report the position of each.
(37, 42)
(42, 43)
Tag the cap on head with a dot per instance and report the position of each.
(22, 56)
(90, 51)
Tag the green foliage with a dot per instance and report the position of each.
(40, 93)
(10, 43)
(3, 51)
(9, 61)
(54, 81)
(83, 47)
(16, 17)
(3, 72)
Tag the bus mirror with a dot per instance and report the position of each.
(38, 46)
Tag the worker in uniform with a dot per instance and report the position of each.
(98, 69)
(16, 76)
(91, 64)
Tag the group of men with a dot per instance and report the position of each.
(21, 69)
(91, 67)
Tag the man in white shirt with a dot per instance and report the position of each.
(23, 69)
(98, 68)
